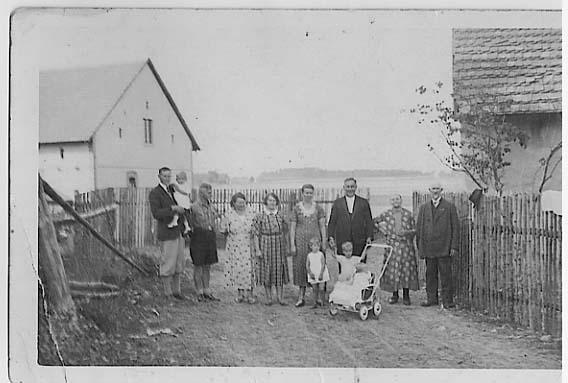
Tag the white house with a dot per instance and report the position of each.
(112, 126)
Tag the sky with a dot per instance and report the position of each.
(269, 89)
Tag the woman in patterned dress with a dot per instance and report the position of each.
(397, 224)
(271, 247)
(239, 263)
(307, 221)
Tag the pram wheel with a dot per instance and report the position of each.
(333, 309)
(377, 308)
(363, 312)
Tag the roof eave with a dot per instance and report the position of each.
(84, 141)
(195, 146)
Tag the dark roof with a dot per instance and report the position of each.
(521, 68)
(74, 103)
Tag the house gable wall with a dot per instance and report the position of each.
(116, 157)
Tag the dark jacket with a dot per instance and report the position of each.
(161, 206)
(437, 229)
(356, 227)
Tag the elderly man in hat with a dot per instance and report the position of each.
(437, 239)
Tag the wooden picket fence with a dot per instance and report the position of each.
(510, 262)
(288, 198)
(137, 228)
(84, 256)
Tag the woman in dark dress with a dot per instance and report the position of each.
(307, 222)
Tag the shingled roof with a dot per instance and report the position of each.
(520, 68)
(73, 103)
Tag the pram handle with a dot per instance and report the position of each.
(377, 245)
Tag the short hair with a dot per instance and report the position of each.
(205, 185)
(182, 174)
(307, 186)
(315, 240)
(271, 194)
(164, 169)
(397, 195)
(350, 179)
(236, 196)
(347, 245)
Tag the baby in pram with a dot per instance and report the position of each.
(354, 276)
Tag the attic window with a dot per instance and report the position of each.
(61, 151)
(119, 132)
(172, 138)
(147, 131)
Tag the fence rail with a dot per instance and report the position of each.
(510, 260)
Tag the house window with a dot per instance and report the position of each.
(61, 152)
(119, 132)
(172, 138)
(147, 131)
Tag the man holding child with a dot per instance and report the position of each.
(172, 246)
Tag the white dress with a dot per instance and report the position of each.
(315, 267)
(182, 199)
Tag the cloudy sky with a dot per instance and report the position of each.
(269, 89)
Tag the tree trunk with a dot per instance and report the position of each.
(51, 271)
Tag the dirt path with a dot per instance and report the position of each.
(229, 334)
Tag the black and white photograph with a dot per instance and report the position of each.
(344, 194)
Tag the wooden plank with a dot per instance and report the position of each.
(558, 274)
(544, 272)
(521, 270)
(509, 315)
(533, 301)
(492, 258)
(528, 260)
(518, 252)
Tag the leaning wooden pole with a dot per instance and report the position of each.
(51, 271)
(53, 195)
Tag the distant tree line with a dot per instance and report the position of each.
(323, 173)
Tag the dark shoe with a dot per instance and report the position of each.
(406, 301)
(450, 305)
(282, 303)
(179, 296)
(428, 304)
(211, 297)
(393, 300)
(201, 298)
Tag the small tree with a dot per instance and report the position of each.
(549, 164)
(477, 136)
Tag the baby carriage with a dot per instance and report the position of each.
(362, 295)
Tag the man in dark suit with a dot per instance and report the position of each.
(172, 245)
(350, 220)
(437, 239)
